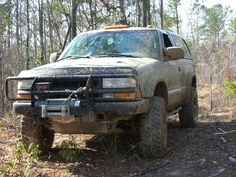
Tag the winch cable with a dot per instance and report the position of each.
(87, 93)
(79, 90)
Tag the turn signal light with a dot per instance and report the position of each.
(24, 96)
(124, 95)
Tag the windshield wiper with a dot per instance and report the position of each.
(110, 54)
(73, 57)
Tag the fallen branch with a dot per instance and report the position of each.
(153, 169)
(218, 172)
(224, 132)
(221, 130)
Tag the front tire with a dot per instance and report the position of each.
(33, 131)
(188, 115)
(153, 129)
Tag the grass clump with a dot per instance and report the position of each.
(21, 160)
(68, 150)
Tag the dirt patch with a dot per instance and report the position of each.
(207, 150)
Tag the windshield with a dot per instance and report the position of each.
(135, 43)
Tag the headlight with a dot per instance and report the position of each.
(24, 84)
(23, 89)
(119, 82)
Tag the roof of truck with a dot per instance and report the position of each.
(126, 28)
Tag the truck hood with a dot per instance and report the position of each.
(86, 66)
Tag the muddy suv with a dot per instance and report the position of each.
(107, 81)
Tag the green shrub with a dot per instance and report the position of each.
(230, 87)
(110, 147)
(21, 162)
(133, 153)
(68, 150)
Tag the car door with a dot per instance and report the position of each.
(172, 73)
(185, 64)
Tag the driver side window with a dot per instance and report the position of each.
(167, 42)
(180, 42)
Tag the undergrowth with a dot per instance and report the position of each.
(230, 87)
(68, 150)
(11, 121)
(20, 162)
(111, 147)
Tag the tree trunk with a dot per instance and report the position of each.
(67, 36)
(94, 14)
(146, 13)
(50, 26)
(139, 13)
(40, 4)
(35, 39)
(91, 14)
(27, 35)
(45, 41)
(75, 4)
(161, 14)
(122, 9)
(9, 27)
(177, 18)
(17, 32)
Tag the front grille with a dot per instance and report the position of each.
(67, 85)
(63, 88)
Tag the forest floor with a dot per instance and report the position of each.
(207, 150)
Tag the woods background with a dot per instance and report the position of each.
(30, 30)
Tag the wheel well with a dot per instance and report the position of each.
(194, 82)
(161, 90)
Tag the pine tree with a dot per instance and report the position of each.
(230, 87)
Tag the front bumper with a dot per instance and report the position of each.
(118, 108)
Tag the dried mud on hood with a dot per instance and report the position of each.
(86, 66)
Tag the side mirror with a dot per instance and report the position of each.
(174, 52)
(54, 56)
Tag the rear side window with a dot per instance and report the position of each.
(180, 42)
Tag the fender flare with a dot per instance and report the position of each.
(151, 85)
(190, 81)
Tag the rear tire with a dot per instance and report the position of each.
(153, 129)
(33, 131)
(188, 115)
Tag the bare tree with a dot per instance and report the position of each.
(122, 9)
(75, 4)
(173, 6)
(161, 14)
(146, 13)
(28, 34)
(41, 32)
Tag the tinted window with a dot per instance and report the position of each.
(167, 41)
